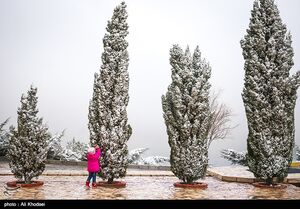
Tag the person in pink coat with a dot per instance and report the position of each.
(93, 166)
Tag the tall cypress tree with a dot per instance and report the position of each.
(269, 93)
(27, 150)
(107, 111)
(187, 114)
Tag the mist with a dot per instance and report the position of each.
(56, 45)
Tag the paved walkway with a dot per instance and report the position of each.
(141, 187)
(225, 173)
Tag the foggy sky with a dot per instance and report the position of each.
(56, 45)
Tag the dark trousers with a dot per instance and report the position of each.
(92, 175)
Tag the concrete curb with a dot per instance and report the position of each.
(235, 177)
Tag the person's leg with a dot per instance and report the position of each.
(94, 179)
(90, 177)
(87, 183)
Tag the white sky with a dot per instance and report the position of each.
(57, 44)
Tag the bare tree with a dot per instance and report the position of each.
(220, 120)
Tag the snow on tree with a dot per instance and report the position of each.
(135, 158)
(240, 158)
(187, 114)
(107, 110)
(4, 137)
(28, 142)
(69, 155)
(135, 155)
(55, 148)
(155, 161)
(235, 157)
(269, 93)
(73, 151)
(79, 148)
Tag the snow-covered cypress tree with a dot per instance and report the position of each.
(269, 93)
(107, 111)
(28, 142)
(187, 114)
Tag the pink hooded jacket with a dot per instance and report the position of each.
(93, 161)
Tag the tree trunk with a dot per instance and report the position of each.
(189, 181)
(269, 181)
(26, 179)
(110, 180)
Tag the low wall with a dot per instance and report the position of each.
(84, 163)
(59, 162)
(151, 167)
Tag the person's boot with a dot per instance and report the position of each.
(87, 184)
(94, 184)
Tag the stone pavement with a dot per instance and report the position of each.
(145, 184)
(225, 173)
(141, 187)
